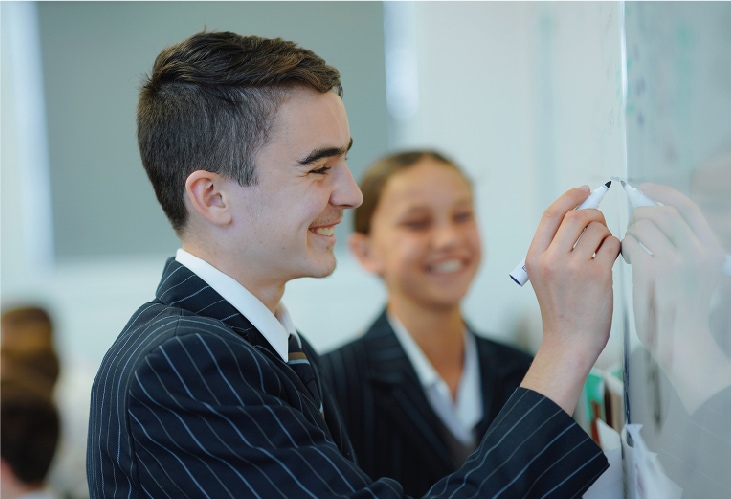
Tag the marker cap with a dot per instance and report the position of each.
(519, 274)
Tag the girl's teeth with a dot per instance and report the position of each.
(448, 266)
(325, 231)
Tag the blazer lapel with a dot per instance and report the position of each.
(399, 392)
(333, 421)
(488, 382)
(495, 371)
(181, 287)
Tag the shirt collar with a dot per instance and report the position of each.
(275, 327)
(424, 370)
(466, 411)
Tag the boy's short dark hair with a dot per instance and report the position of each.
(210, 104)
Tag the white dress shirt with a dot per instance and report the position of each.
(462, 413)
(275, 327)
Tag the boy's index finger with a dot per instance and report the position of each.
(553, 217)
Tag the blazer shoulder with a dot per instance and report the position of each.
(157, 326)
(358, 351)
(344, 359)
(158, 322)
(499, 353)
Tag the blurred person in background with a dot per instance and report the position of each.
(419, 389)
(28, 347)
(27, 343)
(29, 432)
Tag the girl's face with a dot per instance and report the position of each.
(424, 240)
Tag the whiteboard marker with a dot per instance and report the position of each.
(638, 199)
(519, 274)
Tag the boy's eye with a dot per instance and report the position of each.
(321, 170)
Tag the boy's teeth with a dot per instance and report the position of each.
(447, 266)
(325, 231)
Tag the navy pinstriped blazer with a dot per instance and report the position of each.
(191, 401)
(393, 428)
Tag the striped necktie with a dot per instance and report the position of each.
(301, 365)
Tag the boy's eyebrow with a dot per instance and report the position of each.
(327, 152)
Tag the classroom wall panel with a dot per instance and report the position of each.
(95, 56)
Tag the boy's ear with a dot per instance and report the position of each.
(206, 195)
(360, 246)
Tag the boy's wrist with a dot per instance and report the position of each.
(559, 374)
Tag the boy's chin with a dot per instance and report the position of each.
(323, 268)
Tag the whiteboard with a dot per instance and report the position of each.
(679, 135)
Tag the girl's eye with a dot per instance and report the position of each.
(464, 216)
(417, 225)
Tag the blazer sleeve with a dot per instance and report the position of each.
(534, 449)
(215, 418)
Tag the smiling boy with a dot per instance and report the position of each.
(244, 140)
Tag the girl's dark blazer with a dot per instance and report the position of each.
(192, 401)
(389, 419)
